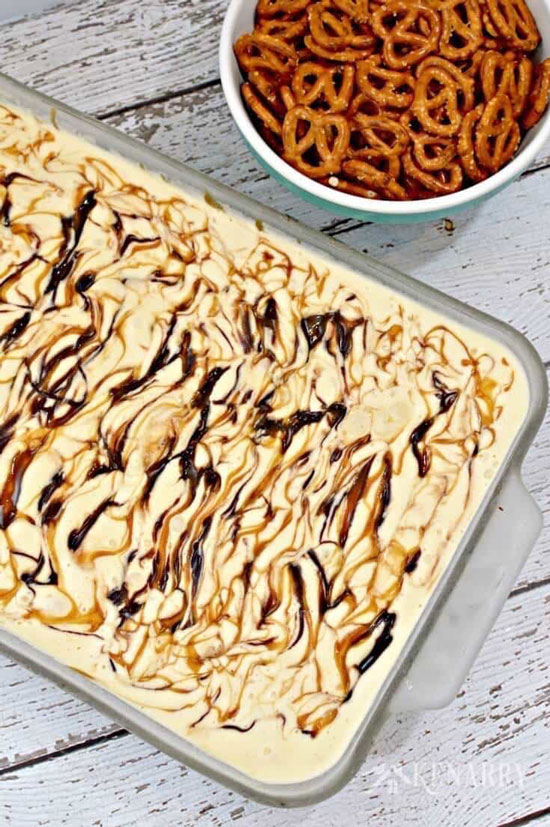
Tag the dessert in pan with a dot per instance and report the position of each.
(394, 100)
(232, 470)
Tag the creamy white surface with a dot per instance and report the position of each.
(212, 267)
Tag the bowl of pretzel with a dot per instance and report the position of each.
(390, 110)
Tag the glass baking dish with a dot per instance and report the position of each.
(469, 595)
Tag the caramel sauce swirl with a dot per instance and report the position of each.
(223, 461)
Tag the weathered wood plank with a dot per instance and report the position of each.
(110, 54)
(481, 761)
(495, 257)
(38, 719)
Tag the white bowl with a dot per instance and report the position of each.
(240, 19)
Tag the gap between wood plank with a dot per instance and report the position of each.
(41, 759)
(168, 96)
(529, 587)
(527, 819)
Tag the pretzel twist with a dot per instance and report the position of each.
(538, 97)
(497, 133)
(375, 178)
(440, 99)
(441, 181)
(466, 148)
(331, 86)
(287, 30)
(377, 136)
(265, 53)
(325, 135)
(264, 86)
(409, 32)
(465, 84)
(505, 73)
(260, 110)
(388, 87)
(333, 30)
(513, 21)
(461, 29)
(432, 152)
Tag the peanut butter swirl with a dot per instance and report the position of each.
(222, 459)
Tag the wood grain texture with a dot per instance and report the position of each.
(107, 54)
(500, 720)
(151, 70)
(38, 719)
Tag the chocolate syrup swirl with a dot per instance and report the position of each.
(220, 461)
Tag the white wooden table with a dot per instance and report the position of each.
(149, 67)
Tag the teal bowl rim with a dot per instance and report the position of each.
(363, 214)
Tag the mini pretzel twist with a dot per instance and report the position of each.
(520, 82)
(377, 136)
(495, 71)
(441, 181)
(331, 86)
(271, 8)
(432, 152)
(497, 133)
(465, 84)
(287, 30)
(260, 110)
(461, 29)
(409, 32)
(507, 74)
(324, 135)
(388, 87)
(513, 21)
(264, 85)
(466, 148)
(539, 95)
(265, 53)
(376, 179)
(440, 98)
(333, 30)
